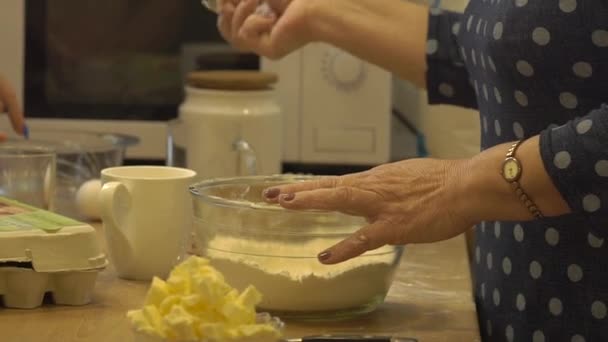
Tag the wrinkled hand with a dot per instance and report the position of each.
(412, 201)
(270, 35)
(9, 102)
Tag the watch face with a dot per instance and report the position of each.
(511, 169)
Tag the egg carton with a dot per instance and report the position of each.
(42, 252)
(24, 288)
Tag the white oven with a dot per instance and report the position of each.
(118, 65)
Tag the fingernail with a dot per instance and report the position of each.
(272, 193)
(26, 132)
(324, 256)
(288, 197)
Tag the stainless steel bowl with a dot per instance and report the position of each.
(275, 249)
(80, 157)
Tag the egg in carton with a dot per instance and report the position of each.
(42, 252)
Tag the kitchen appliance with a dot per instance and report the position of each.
(124, 68)
(255, 243)
(229, 125)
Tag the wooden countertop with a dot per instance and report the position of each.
(430, 300)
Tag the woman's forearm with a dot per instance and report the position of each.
(389, 33)
(486, 195)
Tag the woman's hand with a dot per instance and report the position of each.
(9, 102)
(412, 201)
(272, 35)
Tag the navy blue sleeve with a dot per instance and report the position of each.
(576, 157)
(448, 81)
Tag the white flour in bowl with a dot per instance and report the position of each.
(303, 284)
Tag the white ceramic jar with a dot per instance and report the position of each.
(231, 124)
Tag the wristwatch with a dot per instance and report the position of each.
(511, 172)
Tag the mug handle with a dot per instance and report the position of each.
(248, 161)
(115, 205)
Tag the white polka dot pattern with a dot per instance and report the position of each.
(532, 63)
(509, 333)
(518, 130)
(584, 126)
(431, 46)
(496, 297)
(552, 237)
(520, 302)
(582, 69)
(555, 306)
(568, 100)
(524, 68)
(518, 233)
(469, 23)
(538, 336)
(562, 160)
(497, 95)
(497, 33)
(591, 203)
(507, 267)
(598, 310)
(594, 241)
(601, 168)
(577, 338)
(489, 261)
(456, 28)
(521, 98)
(485, 124)
(567, 6)
(491, 63)
(575, 273)
(536, 270)
(600, 38)
(446, 90)
(541, 36)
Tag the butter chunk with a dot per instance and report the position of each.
(157, 293)
(196, 304)
(180, 324)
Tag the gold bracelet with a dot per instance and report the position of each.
(511, 171)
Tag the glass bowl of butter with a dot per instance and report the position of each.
(252, 242)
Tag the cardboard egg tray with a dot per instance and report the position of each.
(44, 252)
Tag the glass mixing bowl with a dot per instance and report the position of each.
(275, 249)
(81, 156)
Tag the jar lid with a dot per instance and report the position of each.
(232, 80)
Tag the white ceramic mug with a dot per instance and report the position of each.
(147, 214)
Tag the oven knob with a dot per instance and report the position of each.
(343, 70)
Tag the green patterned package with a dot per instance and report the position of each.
(16, 216)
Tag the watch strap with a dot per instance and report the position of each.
(519, 191)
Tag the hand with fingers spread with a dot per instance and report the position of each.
(404, 202)
(423, 200)
(273, 33)
(10, 104)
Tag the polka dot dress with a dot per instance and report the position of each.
(536, 67)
